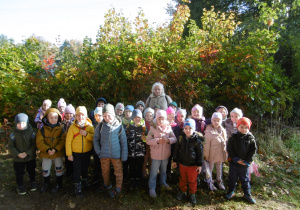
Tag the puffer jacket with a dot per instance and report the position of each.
(37, 119)
(110, 140)
(55, 138)
(160, 151)
(214, 148)
(22, 141)
(136, 146)
(78, 143)
(241, 147)
(162, 100)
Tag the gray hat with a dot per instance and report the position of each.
(109, 108)
(21, 118)
(140, 103)
(137, 113)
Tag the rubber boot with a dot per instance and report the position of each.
(46, 184)
(59, 181)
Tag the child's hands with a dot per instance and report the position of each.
(50, 152)
(241, 162)
(22, 155)
(199, 169)
(53, 151)
(160, 141)
(83, 132)
(41, 116)
(174, 165)
(70, 158)
(167, 141)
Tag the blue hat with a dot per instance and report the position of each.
(21, 118)
(137, 113)
(129, 107)
(98, 110)
(190, 122)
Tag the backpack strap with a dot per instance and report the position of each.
(78, 133)
(100, 129)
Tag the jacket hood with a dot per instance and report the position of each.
(45, 121)
(87, 123)
(100, 99)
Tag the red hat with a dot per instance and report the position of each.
(245, 121)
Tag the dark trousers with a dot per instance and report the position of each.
(237, 171)
(135, 166)
(68, 166)
(20, 171)
(170, 159)
(81, 164)
(97, 165)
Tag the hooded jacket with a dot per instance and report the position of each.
(92, 115)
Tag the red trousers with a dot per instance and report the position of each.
(188, 175)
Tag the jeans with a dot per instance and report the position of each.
(236, 172)
(162, 166)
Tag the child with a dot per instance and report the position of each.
(241, 149)
(50, 140)
(160, 138)
(173, 104)
(99, 103)
(110, 144)
(231, 123)
(140, 105)
(214, 149)
(149, 115)
(223, 110)
(79, 144)
(180, 117)
(98, 116)
(22, 146)
(41, 111)
(188, 154)
(136, 138)
(119, 110)
(61, 106)
(156, 107)
(127, 115)
(158, 97)
(197, 115)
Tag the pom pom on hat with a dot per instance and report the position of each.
(245, 121)
(70, 109)
(137, 113)
(48, 102)
(161, 113)
(170, 110)
(81, 109)
(129, 107)
(238, 111)
(148, 110)
(21, 117)
(182, 112)
(140, 103)
(119, 106)
(98, 110)
(190, 122)
(109, 109)
(61, 102)
(217, 115)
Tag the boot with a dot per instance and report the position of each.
(59, 181)
(45, 186)
(78, 190)
(85, 184)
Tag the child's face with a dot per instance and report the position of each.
(234, 117)
(52, 118)
(243, 128)
(128, 114)
(180, 118)
(68, 116)
(149, 117)
(174, 107)
(98, 117)
(22, 125)
(171, 117)
(188, 130)
(100, 104)
(109, 118)
(137, 120)
(161, 121)
(61, 109)
(216, 122)
(157, 90)
(223, 112)
(119, 112)
(196, 114)
(140, 107)
(45, 107)
(81, 118)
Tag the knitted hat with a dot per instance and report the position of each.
(198, 107)
(173, 104)
(119, 106)
(161, 113)
(140, 103)
(109, 109)
(238, 111)
(170, 110)
(182, 112)
(216, 115)
(129, 107)
(70, 109)
(137, 113)
(98, 110)
(81, 109)
(156, 106)
(148, 110)
(219, 107)
(21, 117)
(245, 121)
(190, 122)
(48, 102)
(61, 102)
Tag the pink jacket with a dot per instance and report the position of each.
(214, 148)
(160, 151)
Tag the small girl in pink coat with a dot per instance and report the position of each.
(160, 137)
(214, 150)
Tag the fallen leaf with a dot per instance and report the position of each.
(290, 161)
(274, 194)
(72, 205)
(295, 172)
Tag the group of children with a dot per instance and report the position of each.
(130, 139)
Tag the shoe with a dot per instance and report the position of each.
(46, 184)
(33, 186)
(212, 188)
(114, 192)
(167, 187)
(104, 188)
(221, 185)
(58, 187)
(229, 195)
(193, 199)
(78, 190)
(181, 195)
(198, 181)
(85, 184)
(152, 193)
(21, 190)
(250, 199)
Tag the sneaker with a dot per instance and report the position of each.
(167, 187)
(33, 186)
(181, 195)
(250, 199)
(78, 190)
(21, 190)
(114, 192)
(229, 195)
(152, 193)
(193, 199)
(104, 188)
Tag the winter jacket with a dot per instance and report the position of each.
(37, 119)
(162, 100)
(176, 130)
(22, 141)
(67, 124)
(91, 114)
(54, 138)
(230, 127)
(78, 143)
(214, 148)
(241, 147)
(200, 125)
(136, 146)
(160, 151)
(188, 151)
(110, 140)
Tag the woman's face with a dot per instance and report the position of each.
(157, 90)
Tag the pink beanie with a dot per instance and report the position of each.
(70, 109)
(170, 110)
(197, 106)
(61, 102)
(161, 113)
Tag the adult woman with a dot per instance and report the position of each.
(158, 97)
